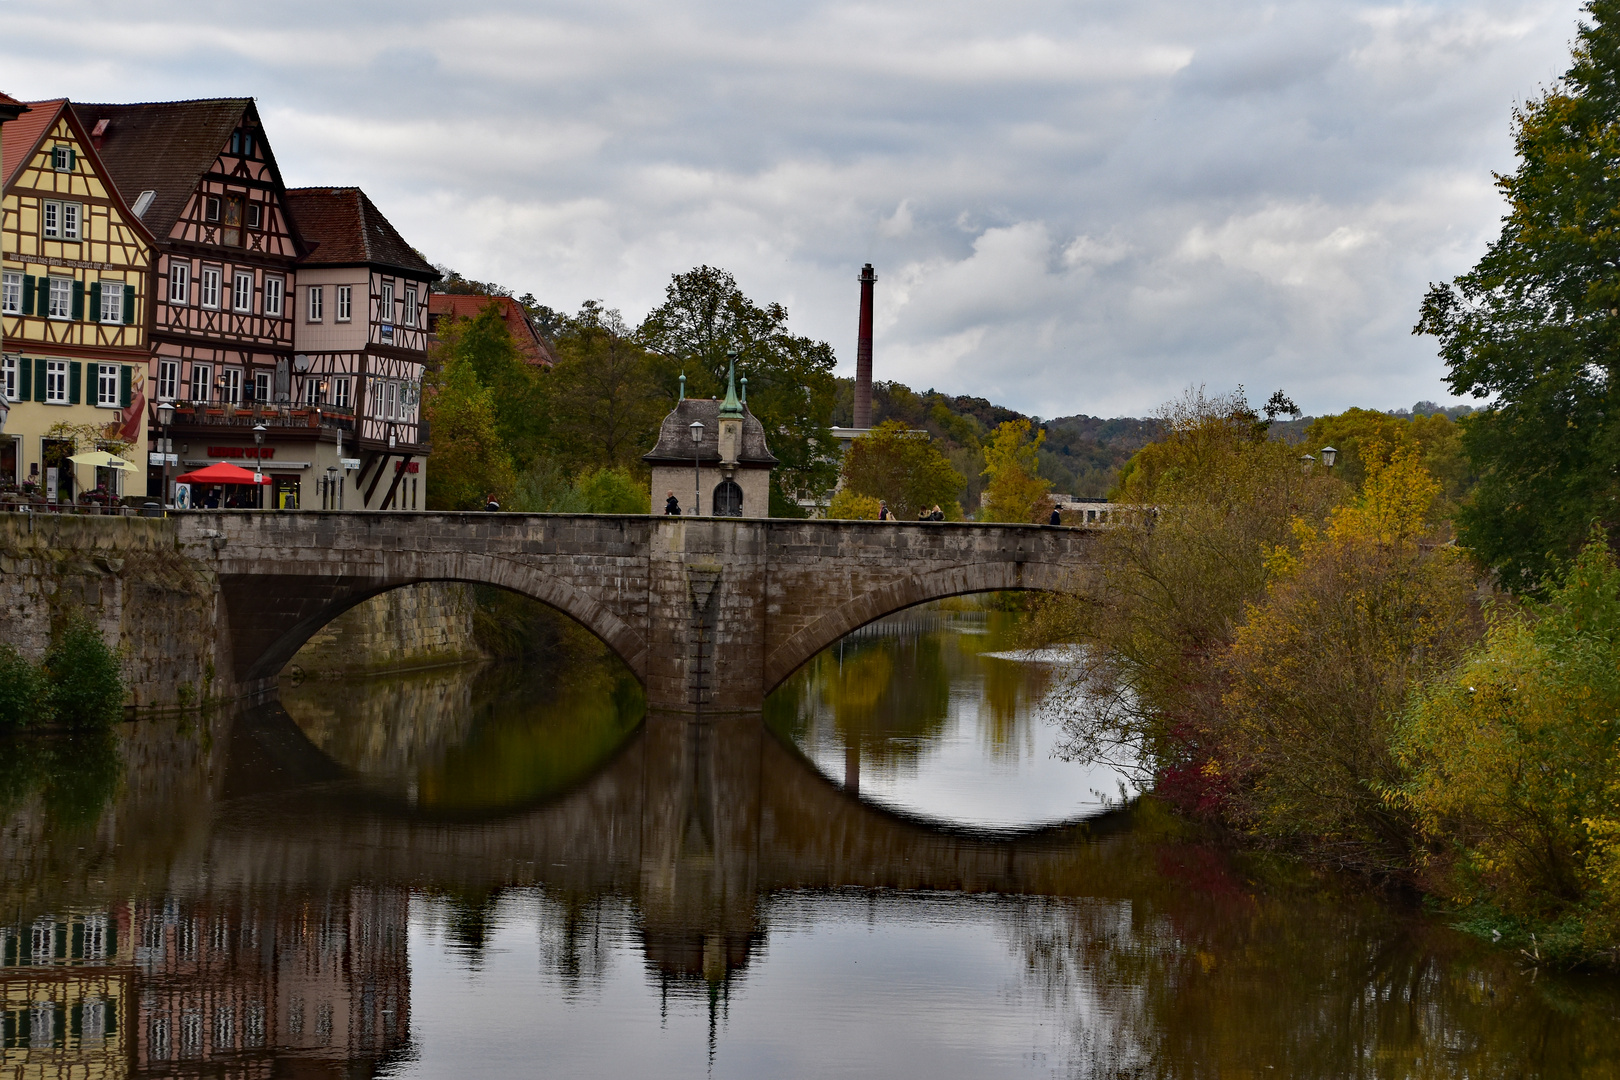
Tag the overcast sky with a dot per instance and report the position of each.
(1072, 207)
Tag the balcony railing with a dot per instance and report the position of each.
(216, 414)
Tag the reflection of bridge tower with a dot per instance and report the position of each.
(700, 844)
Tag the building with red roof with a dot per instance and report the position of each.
(452, 306)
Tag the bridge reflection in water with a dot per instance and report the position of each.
(244, 907)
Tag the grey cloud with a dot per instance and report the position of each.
(1072, 206)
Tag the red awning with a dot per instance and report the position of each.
(221, 473)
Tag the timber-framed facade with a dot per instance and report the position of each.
(76, 307)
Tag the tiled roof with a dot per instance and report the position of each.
(344, 227)
(162, 147)
(675, 438)
(467, 306)
(19, 137)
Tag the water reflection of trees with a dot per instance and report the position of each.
(474, 738)
(1202, 972)
(889, 688)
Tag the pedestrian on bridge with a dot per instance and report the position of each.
(672, 506)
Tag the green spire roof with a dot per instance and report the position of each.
(731, 408)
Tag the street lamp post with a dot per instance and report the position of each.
(1329, 455)
(258, 461)
(165, 412)
(696, 429)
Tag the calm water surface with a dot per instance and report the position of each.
(514, 873)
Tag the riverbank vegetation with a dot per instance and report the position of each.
(78, 684)
(1406, 665)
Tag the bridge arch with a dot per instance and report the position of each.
(905, 592)
(271, 617)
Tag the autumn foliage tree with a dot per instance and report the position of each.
(1014, 490)
(904, 469)
(470, 458)
(1356, 614)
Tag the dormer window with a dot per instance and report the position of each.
(63, 158)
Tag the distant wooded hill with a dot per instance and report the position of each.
(1082, 455)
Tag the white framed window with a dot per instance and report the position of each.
(312, 390)
(261, 386)
(56, 382)
(11, 293)
(231, 392)
(345, 303)
(8, 376)
(254, 215)
(107, 386)
(391, 399)
(60, 220)
(179, 282)
(202, 378)
(63, 158)
(112, 302)
(242, 291)
(315, 302)
(274, 290)
(209, 286)
(385, 306)
(168, 381)
(408, 316)
(211, 208)
(60, 305)
(340, 392)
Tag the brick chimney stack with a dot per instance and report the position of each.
(863, 352)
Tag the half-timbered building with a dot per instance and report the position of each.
(361, 338)
(74, 303)
(203, 179)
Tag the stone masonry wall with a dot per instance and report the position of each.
(153, 603)
(416, 626)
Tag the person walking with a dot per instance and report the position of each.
(1057, 517)
(936, 514)
(493, 505)
(672, 506)
(883, 511)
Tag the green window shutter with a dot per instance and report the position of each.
(25, 379)
(75, 382)
(28, 294)
(42, 292)
(39, 380)
(78, 300)
(73, 159)
(126, 385)
(95, 301)
(129, 305)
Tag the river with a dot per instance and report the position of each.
(510, 871)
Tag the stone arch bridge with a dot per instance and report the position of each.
(708, 613)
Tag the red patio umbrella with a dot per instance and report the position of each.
(221, 473)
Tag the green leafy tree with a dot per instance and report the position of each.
(612, 491)
(791, 389)
(1514, 761)
(1536, 321)
(84, 678)
(470, 459)
(1015, 490)
(23, 694)
(517, 393)
(904, 469)
(605, 396)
